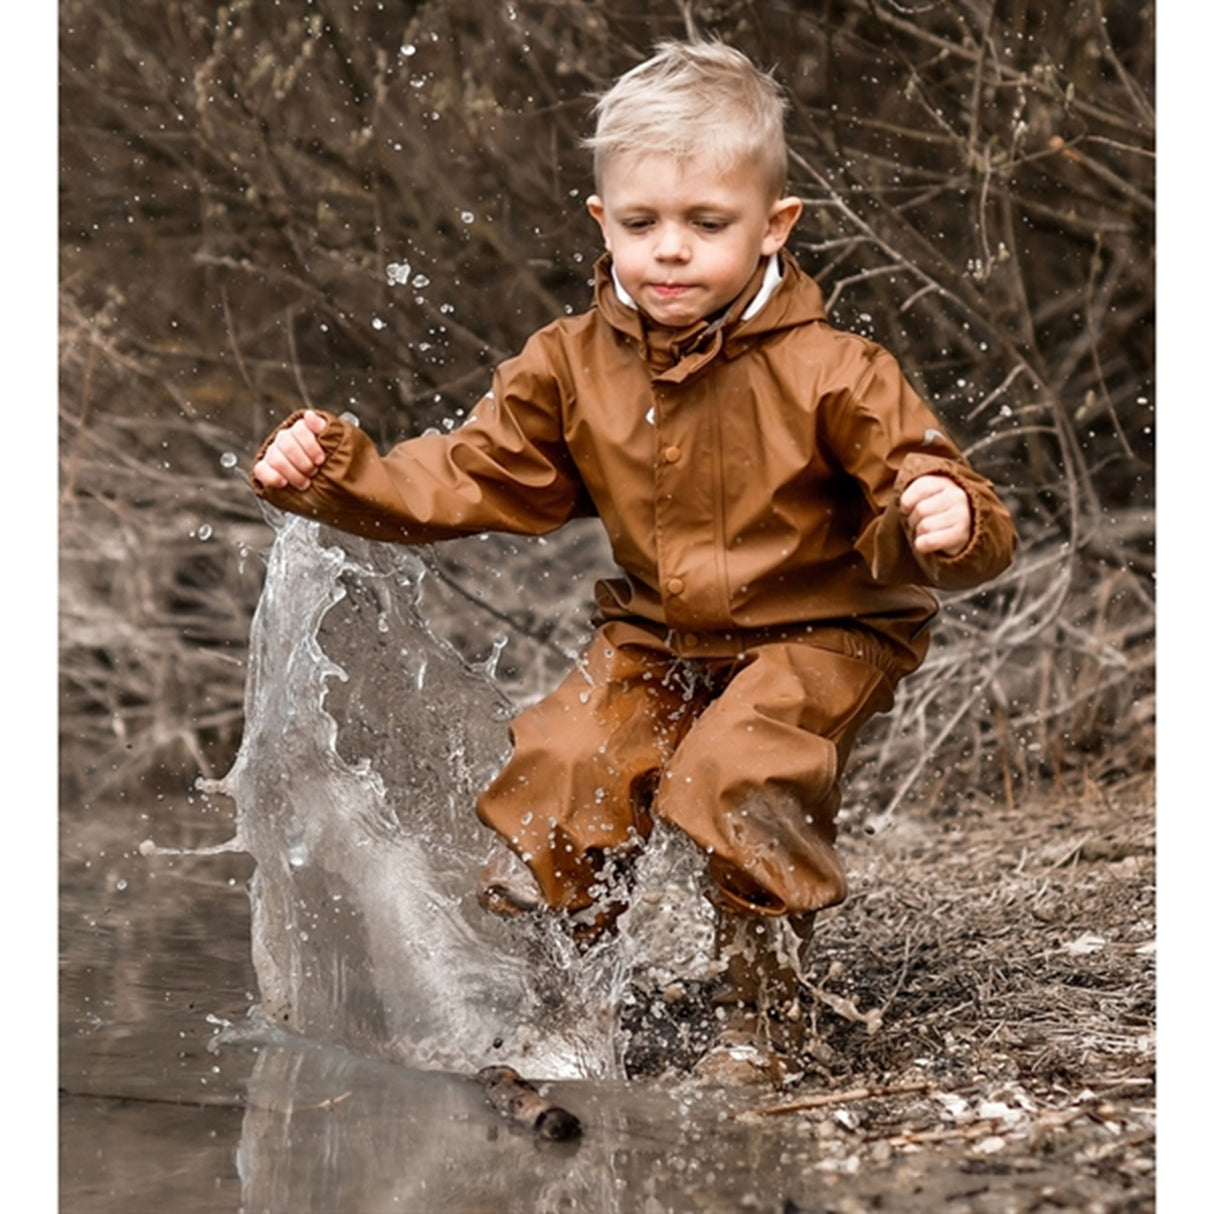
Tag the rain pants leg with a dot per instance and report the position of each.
(755, 781)
(742, 754)
(578, 787)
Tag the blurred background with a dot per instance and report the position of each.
(365, 205)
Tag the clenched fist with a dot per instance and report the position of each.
(294, 454)
(939, 513)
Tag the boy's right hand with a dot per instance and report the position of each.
(294, 454)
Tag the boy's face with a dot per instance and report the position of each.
(685, 236)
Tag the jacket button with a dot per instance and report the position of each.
(672, 455)
(675, 585)
(690, 640)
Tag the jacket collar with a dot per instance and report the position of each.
(779, 295)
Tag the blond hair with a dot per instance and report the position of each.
(692, 99)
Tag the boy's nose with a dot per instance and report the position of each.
(671, 243)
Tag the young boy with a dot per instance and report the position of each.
(778, 500)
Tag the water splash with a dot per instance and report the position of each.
(367, 738)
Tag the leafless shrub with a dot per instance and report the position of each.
(244, 185)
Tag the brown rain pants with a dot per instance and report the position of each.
(743, 754)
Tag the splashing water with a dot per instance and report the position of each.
(366, 740)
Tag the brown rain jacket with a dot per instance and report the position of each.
(747, 472)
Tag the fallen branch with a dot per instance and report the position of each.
(827, 1099)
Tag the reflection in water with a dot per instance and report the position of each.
(154, 952)
(406, 1140)
(325, 1131)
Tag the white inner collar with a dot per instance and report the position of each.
(771, 280)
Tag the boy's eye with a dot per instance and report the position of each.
(707, 224)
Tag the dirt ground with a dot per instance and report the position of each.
(986, 999)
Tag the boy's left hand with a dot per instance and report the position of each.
(939, 514)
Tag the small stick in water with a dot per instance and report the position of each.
(519, 1100)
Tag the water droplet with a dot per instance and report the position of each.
(378, 323)
(398, 273)
(466, 216)
(228, 459)
(205, 531)
(120, 884)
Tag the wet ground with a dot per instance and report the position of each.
(156, 1114)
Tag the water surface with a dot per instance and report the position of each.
(158, 1113)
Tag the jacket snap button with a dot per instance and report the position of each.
(690, 640)
(672, 455)
(675, 585)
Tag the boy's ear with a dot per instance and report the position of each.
(594, 204)
(781, 218)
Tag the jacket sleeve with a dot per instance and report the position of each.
(883, 434)
(505, 469)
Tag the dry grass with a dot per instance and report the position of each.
(1006, 939)
(987, 995)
